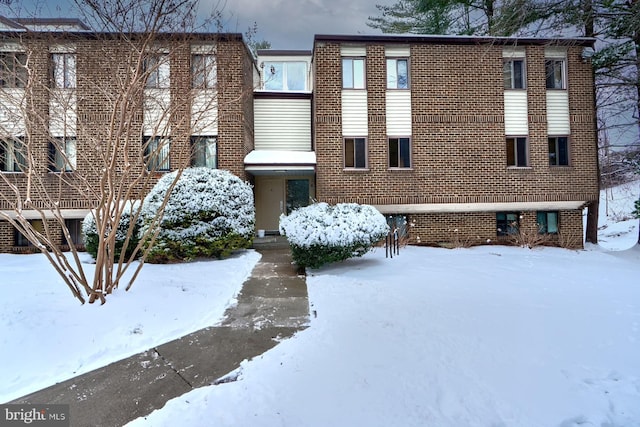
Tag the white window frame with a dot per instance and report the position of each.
(563, 71)
(157, 67)
(204, 71)
(157, 153)
(352, 73)
(13, 154)
(508, 68)
(13, 71)
(210, 151)
(63, 70)
(63, 161)
(393, 71)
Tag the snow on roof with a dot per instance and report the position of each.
(279, 157)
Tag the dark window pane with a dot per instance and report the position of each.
(511, 152)
(405, 153)
(563, 152)
(522, 152)
(297, 194)
(403, 76)
(360, 153)
(518, 81)
(393, 153)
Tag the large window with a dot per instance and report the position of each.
(62, 155)
(355, 153)
(507, 223)
(20, 239)
(555, 72)
(286, 76)
(13, 71)
(517, 151)
(156, 153)
(558, 151)
(204, 151)
(547, 222)
(398, 73)
(399, 152)
(63, 70)
(203, 71)
(12, 155)
(157, 68)
(353, 73)
(513, 72)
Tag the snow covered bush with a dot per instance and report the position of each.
(90, 231)
(321, 234)
(210, 213)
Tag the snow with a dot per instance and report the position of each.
(46, 336)
(344, 224)
(485, 336)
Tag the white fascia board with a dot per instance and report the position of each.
(278, 157)
(480, 207)
(33, 214)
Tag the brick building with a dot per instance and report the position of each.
(466, 138)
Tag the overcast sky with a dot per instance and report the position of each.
(286, 24)
(291, 24)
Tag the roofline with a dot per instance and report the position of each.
(114, 35)
(52, 21)
(451, 39)
(11, 23)
(283, 52)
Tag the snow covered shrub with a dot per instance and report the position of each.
(210, 213)
(90, 231)
(321, 234)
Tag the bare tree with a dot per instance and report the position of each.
(108, 126)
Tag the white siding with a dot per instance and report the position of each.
(62, 113)
(558, 112)
(156, 112)
(11, 108)
(398, 113)
(353, 51)
(515, 113)
(354, 113)
(204, 113)
(282, 124)
(397, 51)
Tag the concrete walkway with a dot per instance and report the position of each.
(272, 305)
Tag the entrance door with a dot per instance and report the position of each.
(269, 202)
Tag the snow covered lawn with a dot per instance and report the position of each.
(47, 336)
(488, 336)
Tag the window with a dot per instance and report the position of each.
(507, 223)
(399, 152)
(558, 151)
(514, 74)
(517, 151)
(297, 194)
(20, 239)
(203, 71)
(547, 222)
(289, 76)
(353, 73)
(355, 153)
(12, 155)
(63, 70)
(74, 226)
(397, 74)
(156, 153)
(157, 69)
(204, 151)
(62, 155)
(13, 71)
(554, 69)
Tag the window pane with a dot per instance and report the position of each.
(552, 222)
(273, 79)
(296, 76)
(347, 73)
(70, 71)
(522, 152)
(563, 152)
(511, 152)
(506, 75)
(361, 154)
(392, 74)
(70, 151)
(405, 153)
(163, 72)
(541, 220)
(211, 154)
(58, 70)
(393, 152)
(349, 153)
(358, 73)
(403, 74)
(518, 80)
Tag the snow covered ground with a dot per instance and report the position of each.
(487, 336)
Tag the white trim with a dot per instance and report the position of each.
(555, 53)
(397, 51)
(48, 214)
(480, 207)
(12, 47)
(204, 49)
(355, 51)
(514, 52)
(62, 48)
